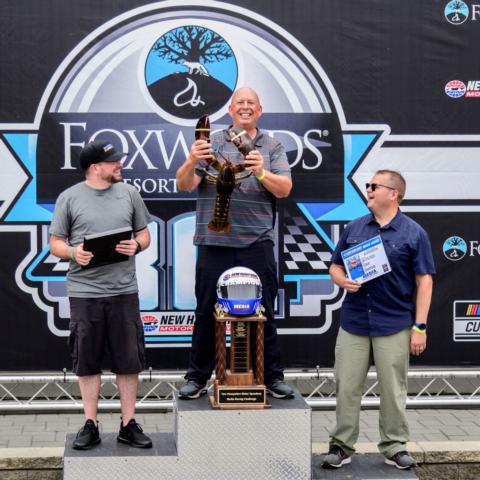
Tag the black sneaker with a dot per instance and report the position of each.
(335, 458)
(191, 390)
(87, 437)
(279, 389)
(402, 460)
(133, 435)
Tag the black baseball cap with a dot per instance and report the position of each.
(99, 151)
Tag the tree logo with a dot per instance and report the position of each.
(454, 248)
(456, 12)
(191, 70)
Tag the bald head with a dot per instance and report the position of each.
(244, 92)
(245, 110)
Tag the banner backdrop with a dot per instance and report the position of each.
(348, 88)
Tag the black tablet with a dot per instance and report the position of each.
(102, 245)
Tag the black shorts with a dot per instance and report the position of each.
(96, 323)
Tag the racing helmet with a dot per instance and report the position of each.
(239, 291)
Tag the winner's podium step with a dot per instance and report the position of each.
(268, 444)
(114, 460)
(362, 467)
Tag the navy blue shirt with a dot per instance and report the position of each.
(386, 305)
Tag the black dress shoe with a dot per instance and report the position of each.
(87, 436)
(279, 389)
(191, 390)
(133, 435)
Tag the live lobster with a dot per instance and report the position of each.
(228, 175)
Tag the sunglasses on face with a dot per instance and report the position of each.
(374, 186)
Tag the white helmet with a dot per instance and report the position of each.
(239, 291)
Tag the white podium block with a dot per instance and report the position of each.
(273, 443)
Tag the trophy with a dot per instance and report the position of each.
(241, 385)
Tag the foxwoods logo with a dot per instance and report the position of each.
(455, 248)
(457, 12)
(209, 73)
(182, 68)
(140, 82)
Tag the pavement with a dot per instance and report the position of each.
(445, 442)
(49, 429)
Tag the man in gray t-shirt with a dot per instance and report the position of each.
(248, 242)
(104, 305)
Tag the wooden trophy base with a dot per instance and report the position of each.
(239, 397)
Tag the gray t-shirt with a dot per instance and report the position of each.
(251, 205)
(81, 210)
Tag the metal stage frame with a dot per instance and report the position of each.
(428, 388)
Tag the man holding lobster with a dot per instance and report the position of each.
(240, 234)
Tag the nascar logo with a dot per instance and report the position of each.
(466, 321)
(473, 309)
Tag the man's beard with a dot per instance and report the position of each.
(114, 178)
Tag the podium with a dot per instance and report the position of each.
(363, 467)
(271, 444)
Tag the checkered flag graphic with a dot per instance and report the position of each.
(303, 249)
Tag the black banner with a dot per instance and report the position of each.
(347, 88)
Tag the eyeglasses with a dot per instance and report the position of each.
(374, 186)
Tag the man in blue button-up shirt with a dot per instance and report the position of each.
(384, 318)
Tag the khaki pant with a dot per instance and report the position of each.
(352, 360)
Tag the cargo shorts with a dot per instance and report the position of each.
(107, 322)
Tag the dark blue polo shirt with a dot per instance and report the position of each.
(386, 305)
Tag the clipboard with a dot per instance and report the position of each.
(102, 245)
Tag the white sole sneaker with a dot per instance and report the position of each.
(395, 464)
(203, 391)
(345, 461)
(276, 395)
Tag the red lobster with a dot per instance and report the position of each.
(228, 175)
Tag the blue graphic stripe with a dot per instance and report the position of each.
(41, 278)
(167, 339)
(26, 208)
(172, 339)
(316, 226)
(353, 205)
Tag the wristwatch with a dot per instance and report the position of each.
(420, 327)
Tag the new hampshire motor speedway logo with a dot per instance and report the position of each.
(458, 89)
(455, 89)
(140, 82)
